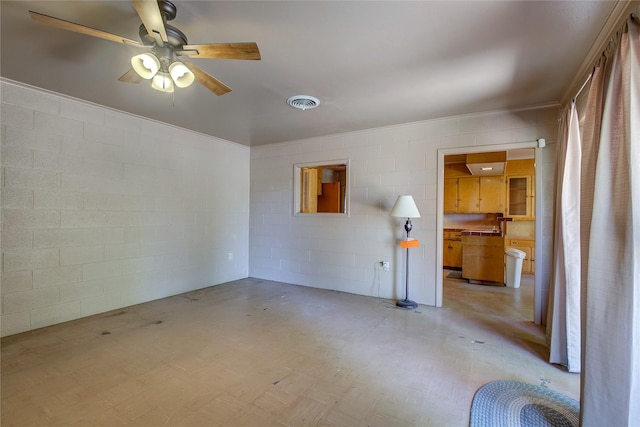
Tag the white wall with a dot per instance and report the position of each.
(343, 253)
(101, 209)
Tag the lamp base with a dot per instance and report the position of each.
(407, 303)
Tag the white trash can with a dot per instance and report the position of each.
(514, 267)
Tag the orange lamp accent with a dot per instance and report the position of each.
(405, 244)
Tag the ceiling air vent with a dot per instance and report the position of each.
(303, 102)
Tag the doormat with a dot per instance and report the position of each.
(517, 404)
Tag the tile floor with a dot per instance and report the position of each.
(260, 353)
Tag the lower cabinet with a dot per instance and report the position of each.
(528, 247)
(483, 258)
(452, 249)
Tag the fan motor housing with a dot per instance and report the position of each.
(176, 37)
(167, 9)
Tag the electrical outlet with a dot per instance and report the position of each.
(384, 265)
(229, 256)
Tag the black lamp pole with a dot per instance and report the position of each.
(406, 302)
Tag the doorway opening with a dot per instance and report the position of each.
(495, 207)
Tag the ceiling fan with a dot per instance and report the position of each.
(164, 44)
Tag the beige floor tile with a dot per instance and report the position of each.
(254, 352)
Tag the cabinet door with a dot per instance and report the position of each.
(455, 253)
(528, 247)
(532, 198)
(492, 194)
(446, 253)
(452, 253)
(450, 194)
(526, 262)
(468, 194)
(519, 196)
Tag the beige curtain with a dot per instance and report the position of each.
(563, 315)
(611, 377)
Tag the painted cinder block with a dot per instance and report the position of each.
(16, 281)
(16, 239)
(14, 323)
(52, 314)
(73, 219)
(30, 98)
(17, 198)
(28, 300)
(123, 121)
(30, 178)
(57, 199)
(93, 150)
(75, 165)
(30, 259)
(81, 255)
(65, 237)
(78, 291)
(27, 218)
(13, 116)
(27, 138)
(18, 157)
(46, 277)
(101, 270)
(68, 196)
(46, 122)
(80, 111)
(118, 202)
(103, 134)
(128, 250)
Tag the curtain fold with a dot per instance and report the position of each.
(610, 231)
(597, 238)
(563, 321)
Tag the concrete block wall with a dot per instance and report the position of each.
(343, 253)
(102, 209)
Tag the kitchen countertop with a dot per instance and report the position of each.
(481, 233)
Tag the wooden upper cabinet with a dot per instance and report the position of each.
(450, 195)
(469, 194)
(520, 197)
(474, 194)
(511, 193)
(492, 194)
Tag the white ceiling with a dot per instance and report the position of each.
(371, 64)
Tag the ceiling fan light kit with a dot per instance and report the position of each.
(162, 82)
(149, 67)
(181, 75)
(165, 42)
(146, 65)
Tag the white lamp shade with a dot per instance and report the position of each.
(162, 82)
(146, 65)
(405, 207)
(180, 74)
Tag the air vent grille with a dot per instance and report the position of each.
(303, 102)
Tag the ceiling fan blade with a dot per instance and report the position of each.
(208, 81)
(130, 77)
(71, 26)
(222, 51)
(151, 17)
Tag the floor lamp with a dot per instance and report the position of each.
(405, 207)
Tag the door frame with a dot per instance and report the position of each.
(538, 308)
